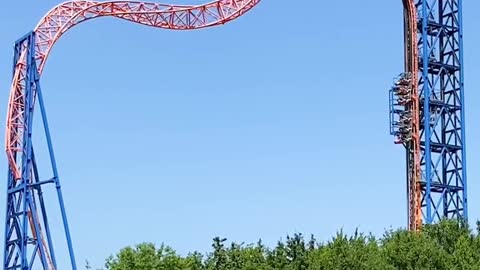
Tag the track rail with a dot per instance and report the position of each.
(67, 15)
(413, 146)
(49, 30)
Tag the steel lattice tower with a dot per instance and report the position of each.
(437, 65)
(28, 241)
(26, 215)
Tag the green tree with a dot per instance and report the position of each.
(356, 252)
(409, 251)
(447, 245)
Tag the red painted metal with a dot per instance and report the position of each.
(66, 15)
(411, 68)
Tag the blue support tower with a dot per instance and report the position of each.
(442, 111)
(442, 181)
(28, 241)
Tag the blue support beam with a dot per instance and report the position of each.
(440, 114)
(442, 110)
(28, 240)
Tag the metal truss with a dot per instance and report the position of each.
(444, 179)
(427, 113)
(28, 243)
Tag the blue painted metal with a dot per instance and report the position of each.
(462, 114)
(28, 240)
(56, 179)
(394, 112)
(400, 118)
(442, 112)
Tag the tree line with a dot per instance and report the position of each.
(446, 245)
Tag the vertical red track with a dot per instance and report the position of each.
(413, 147)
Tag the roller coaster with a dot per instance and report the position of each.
(426, 112)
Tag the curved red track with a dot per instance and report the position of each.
(66, 15)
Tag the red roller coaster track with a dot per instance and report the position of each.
(178, 17)
(411, 68)
(66, 15)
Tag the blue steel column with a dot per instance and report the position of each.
(425, 91)
(56, 179)
(444, 180)
(462, 101)
(21, 247)
(25, 246)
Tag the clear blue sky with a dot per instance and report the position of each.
(273, 124)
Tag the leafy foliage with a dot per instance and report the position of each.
(447, 245)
